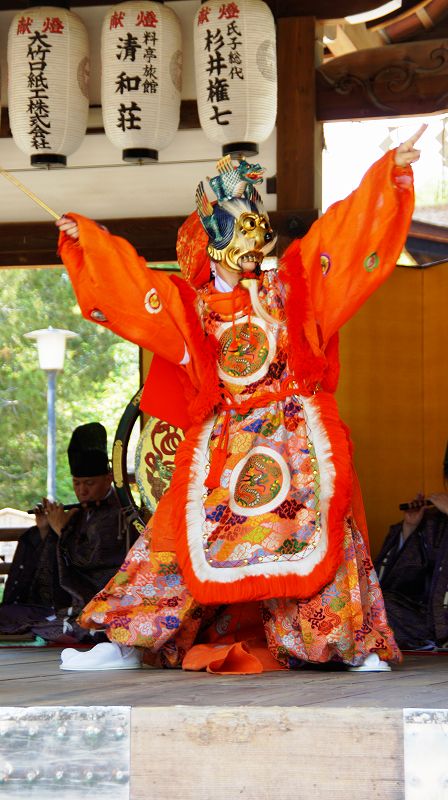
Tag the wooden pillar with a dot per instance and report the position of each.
(299, 136)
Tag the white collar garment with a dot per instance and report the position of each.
(221, 285)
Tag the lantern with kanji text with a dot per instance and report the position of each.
(141, 55)
(236, 73)
(48, 67)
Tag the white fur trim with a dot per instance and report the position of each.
(258, 308)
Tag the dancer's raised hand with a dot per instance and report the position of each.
(406, 153)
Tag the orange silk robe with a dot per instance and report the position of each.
(327, 276)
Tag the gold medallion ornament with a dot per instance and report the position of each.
(325, 263)
(259, 482)
(152, 302)
(246, 350)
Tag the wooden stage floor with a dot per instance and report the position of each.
(31, 677)
(158, 734)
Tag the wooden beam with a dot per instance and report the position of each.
(399, 80)
(340, 39)
(323, 9)
(410, 23)
(429, 232)
(35, 243)
(440, 31)
(13, 534)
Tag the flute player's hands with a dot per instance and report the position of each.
(41, 518)
(57, 516)
(413, 516)
(440, 501)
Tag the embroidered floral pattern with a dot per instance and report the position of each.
(344, 622)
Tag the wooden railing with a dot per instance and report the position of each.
(9, 535)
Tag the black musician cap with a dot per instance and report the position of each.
(87, 451)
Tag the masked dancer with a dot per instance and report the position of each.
(256, 557)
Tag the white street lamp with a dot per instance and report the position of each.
(51, 351)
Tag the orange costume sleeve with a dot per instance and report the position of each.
(115, 288)
(355, 245)
(346, 255)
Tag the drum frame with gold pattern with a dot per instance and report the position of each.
(154, 462)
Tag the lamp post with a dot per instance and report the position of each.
(51, 351)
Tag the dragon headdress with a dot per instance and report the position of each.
(229, 229)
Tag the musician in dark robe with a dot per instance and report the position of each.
(69, 555)
(413, 571)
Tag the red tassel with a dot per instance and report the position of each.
(217, 464)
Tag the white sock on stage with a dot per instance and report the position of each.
(104, 656)
(372, 663)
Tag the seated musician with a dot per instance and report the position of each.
(68, 555)
(413, 571)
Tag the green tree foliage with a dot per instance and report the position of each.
(100, 376)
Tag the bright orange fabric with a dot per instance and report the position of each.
(244, 640)
(164, 385)
(191, 251)
(108, 275)
(372, 220)
(223, 659)
(107, 272)
(343, 259)
(147, 604)
(228, 303)
(237, 658)
(257, 587)
(149, 308)
(162, 534)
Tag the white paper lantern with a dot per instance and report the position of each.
(236, 73)
(141, 53)
(48, 65)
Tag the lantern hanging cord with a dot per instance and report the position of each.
(30, 194)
